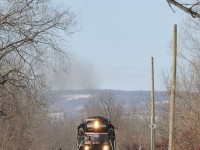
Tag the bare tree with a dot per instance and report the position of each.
(32, 38)
(106, 105)
(188, 93)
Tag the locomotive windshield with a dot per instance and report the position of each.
(96, 126)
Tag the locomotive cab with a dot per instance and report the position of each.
(96, 133)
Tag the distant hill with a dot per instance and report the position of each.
(74, 100)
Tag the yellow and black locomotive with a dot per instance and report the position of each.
(96, 133)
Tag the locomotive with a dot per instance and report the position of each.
(96, 133)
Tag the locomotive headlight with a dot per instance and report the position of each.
(96, 124)
(105, 147)
(86, 148)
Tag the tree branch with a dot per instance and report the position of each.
(183, 7)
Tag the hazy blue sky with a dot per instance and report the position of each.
(116, 40)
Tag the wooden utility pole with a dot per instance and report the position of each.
(173, 92)
(152, 107)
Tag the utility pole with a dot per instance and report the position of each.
(173, 90)
(152, 107)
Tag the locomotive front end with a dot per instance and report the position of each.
(96, 133)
